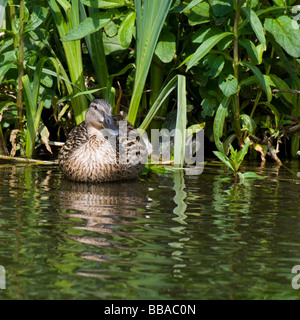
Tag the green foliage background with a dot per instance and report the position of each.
(236, 60)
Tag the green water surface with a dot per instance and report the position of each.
(169, 237)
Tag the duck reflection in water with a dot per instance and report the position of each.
(105, 208)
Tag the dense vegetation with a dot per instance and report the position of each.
(235, 64)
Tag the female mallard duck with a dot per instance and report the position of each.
(102, 148)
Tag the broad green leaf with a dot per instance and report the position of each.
(88, 26)
(284, 33)
(37, 17)
(228, 84)
(219, 123)
(224, 159)
(108, 4)
(260, 77)
(166, 47)
(256, 26)
(111, 44)
(221, 8)
(126, 29)
(209, 106)
(214, 65)
(199, 14)
(204, 49)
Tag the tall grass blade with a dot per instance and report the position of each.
(171, 85)
(181, 121)
(64, 24)
(95, 47)
(2, 11)
(150, 17)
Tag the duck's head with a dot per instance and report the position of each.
(99, 117)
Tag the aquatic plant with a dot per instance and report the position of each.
(235, 63)
(234, 162)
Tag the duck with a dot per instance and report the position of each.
(104, 147)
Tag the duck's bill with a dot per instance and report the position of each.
(110, 125)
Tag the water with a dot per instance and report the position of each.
(169, 237)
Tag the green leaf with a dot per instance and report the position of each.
(251, 49)
(166, 47)
(221, 8)
(2, 11)
(165, 92)
(126, 29)
(214, 65)
(224, 159)
(181, 121)
(282, 85)
(96, 50)
(77, 94)
(248, 124)
(241, 155)
(199, 14)
(88, 26)
(261, 79)
(108, 4)
(204, 49)
(195, 128)
(5, 68)
(209, 106)
(274, 110)
(219, 123)
(150, 18)
(37, 17)
(228, 84)
(252, 175)
(256, 26)
(192, 4)
(284, 33)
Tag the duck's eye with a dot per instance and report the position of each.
(95, 107)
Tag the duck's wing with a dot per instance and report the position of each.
(134, 145)
(77, 137)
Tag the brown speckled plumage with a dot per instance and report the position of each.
(87, 156)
